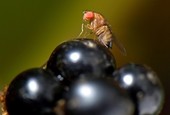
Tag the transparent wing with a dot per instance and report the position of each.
(119, 45)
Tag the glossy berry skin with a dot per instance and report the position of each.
(33, 92)
(144, 87)
(81, 57)
(97, 96)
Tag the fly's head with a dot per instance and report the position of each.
(88, 16)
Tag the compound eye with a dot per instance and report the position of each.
(88, 15)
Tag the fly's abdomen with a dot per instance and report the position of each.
(105, 36)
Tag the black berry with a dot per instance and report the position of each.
(33, 92)
(144, 87)
(97, 96)
(79, 58)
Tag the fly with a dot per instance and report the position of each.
(101, 29)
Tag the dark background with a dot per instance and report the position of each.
(31, 29)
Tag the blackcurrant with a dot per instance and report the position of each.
(143, 86)
(33, 92)
(97, 96)
(81, 57)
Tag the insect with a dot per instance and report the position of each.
(100, 27)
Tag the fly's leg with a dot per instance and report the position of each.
(85, 30)
(88, 26)
(83, 27)
(82, 30)
(101, 41)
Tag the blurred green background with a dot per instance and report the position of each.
(31, 29)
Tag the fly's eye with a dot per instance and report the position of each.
(88, 16)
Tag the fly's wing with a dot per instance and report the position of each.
(119, 45)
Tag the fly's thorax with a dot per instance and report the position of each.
(100, 19)
(97, 22)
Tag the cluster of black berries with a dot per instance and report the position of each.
(81, 78)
